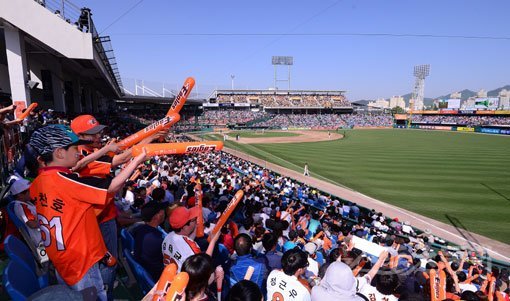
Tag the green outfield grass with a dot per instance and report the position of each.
(463, 176)
(267, 134)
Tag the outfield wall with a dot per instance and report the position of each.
(454, 128)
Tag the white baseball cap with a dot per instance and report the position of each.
(310, 248)
(19, 186)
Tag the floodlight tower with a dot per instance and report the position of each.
(420, 73)
(285, 61)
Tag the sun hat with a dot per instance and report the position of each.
(47, 139)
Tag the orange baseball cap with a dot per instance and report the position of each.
(86, 124)
(182, 215)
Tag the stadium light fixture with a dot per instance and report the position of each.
(282, 61)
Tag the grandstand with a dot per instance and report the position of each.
(276, 100)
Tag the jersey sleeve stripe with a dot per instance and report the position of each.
(90, 182)
(192, 245)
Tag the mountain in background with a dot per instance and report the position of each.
(465, 94)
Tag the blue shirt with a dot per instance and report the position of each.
(239, 267)
(274, 260)
(288, 245)
(147, 251)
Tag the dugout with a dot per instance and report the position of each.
(400, 120)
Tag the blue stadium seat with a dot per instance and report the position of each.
(143, 278)
(128, 241)
(20, 253)
(320, 258)
(19, 281)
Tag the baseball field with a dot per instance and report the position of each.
(447, 176)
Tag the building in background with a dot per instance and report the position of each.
(397, 101)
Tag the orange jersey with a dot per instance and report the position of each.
(100, 168)
(69, 228)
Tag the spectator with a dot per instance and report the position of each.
(177, 245)
(243, 248)
(274, 258)
(338, 284)
(84, 19)
(313, 266)
(25, 209)
(286, 283)
(386, 284)
(245, 290)
(148, 239)
(67, 199)
(199, 268)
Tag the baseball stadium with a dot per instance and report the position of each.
(115, 191)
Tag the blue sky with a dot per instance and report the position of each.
(366, 67)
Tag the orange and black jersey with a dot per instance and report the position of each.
(69, 228)
(100, 167)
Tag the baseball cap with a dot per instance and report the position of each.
(19, 186)
(47, 139)
(150, 209)
(86, 124)
(310, 248)
(181, 215)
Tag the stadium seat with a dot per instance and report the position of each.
(320, 258)
(128, 241)
(143, 278)
(19, 281)
(19, 252)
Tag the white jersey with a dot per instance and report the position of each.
(177, 248)
(282, 287)
(373, 294)
(26, 212)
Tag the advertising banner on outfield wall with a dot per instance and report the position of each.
(490, 131)
(467, 112)
(299, 129)
(485, 112)
(465, 129)
(433, 127)
(503, 112)
(448, 111)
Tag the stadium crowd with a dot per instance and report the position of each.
(285, 240)
(223, 117)
(327, 121)
(287, 100)
(462, 120)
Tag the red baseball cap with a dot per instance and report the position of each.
(182, 215)
(86, 124)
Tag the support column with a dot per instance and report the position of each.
(94, 101)
(58, 88)
(17, 66)
(88, 99)
(77, 95)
